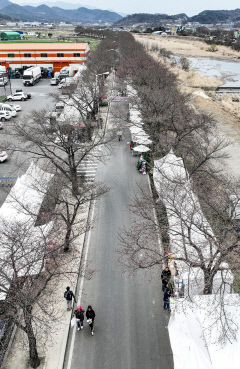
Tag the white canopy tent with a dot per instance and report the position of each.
(187, 223)
(18, 214)
(141, 148)
(198, 328)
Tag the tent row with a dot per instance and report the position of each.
(18, 216)
(191, 236)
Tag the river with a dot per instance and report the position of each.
(228, 71)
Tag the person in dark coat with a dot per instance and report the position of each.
(79, 314)
(90, 314)
(165, 276)
(69, 296)
(166, 299)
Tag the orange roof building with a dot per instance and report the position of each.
(53, 56)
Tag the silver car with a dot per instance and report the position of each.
(3, 156)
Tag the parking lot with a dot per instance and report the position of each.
(17, 163)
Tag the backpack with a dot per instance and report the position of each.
(67, 295)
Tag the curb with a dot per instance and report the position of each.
(61, 361)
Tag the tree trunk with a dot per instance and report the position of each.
(74, 181)
(32, 343)
(208, 282)
(67, 238)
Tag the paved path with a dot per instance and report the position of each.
(130, 326)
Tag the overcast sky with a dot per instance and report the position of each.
(190, 7)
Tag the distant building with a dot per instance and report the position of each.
(10, 36)
(53, 56)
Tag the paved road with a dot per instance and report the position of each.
(19, 162)
(130, 326)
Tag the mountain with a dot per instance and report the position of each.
(216, 16)
(44, 13)
(205, 17)
(58, 4)
(4, 3)
(150, 19)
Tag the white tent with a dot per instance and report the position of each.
(18, 214)
(187, 223)
(141, 148)
(143, 141)
(198, 328)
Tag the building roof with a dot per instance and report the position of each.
(51, 46)
(10, 33)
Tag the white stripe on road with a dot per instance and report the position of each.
(81, 288)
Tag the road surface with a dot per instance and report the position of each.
(130, 326)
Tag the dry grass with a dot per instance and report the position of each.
(185, 46)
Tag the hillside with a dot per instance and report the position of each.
(205, 17)
(44, 13)
(150, 19)
(216, 16)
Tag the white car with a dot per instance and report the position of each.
(4, 115)
(3, 156)
(8, 108)
(54, 81)
(16, 107)
(17, 97)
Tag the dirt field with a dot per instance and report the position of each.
(222, 108)
(188, 47)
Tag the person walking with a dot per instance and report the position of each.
(79, 314)
(165, 276)
(69, 295)
(166, 300)
(119, 134)
(90, 314)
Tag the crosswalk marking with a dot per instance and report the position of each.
(87, 169)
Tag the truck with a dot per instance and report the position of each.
(31, 76)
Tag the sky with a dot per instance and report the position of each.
(190, 7)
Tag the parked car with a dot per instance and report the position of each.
(234, 211)
(16, 107)
(4, 115)
(3, 156)
(54, 81)
(10, 109)
(26, 93)
(59, 107)
(18, 96)
(3, 81)
(103, 101)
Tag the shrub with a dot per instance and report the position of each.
(185, 63)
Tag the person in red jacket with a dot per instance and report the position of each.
(79, 314)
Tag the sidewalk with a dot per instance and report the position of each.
(51, 347)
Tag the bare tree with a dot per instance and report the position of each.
(63, 144)
(29, 267)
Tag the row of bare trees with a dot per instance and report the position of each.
(171, 122)
(32, 263)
